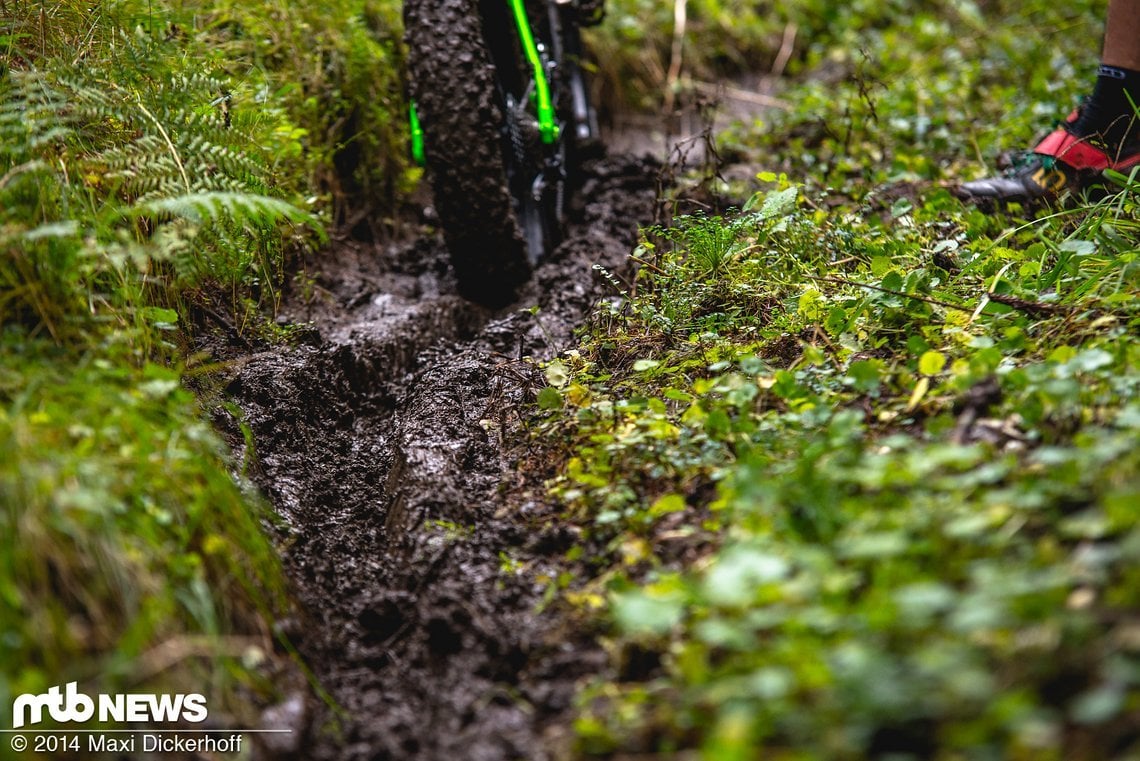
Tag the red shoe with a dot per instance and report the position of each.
(1061, 162)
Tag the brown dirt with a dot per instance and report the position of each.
(388, 439)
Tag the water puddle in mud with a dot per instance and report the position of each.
(384, 438)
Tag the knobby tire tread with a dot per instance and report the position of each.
(453, 83)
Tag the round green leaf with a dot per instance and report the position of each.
(931, 362)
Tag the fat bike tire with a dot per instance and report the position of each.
(459, 101)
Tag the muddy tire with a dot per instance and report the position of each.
(454, 86)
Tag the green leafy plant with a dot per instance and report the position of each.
(843, 487)
(130, 555)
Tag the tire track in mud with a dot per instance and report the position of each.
(384, 441)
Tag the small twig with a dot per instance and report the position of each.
(680, 20)
(844, 281)
(810, 202)
(746, 96)
(986, 296)
(166, 654)
(228, 365)
(822, 335)
(507, 366)
(169, 145)
(653, 267)
(1031, 308)
(787, 47)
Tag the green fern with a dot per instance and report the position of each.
(111, 153)
(217, 206)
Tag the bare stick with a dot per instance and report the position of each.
(680, 20)
(916, 297)
(787, 47)
(746, 96)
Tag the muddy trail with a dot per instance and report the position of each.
(387, 439)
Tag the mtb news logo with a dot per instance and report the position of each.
(68, 704)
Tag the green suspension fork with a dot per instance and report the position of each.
(547, 128)
(417, 132)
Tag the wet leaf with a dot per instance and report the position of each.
(1078, 247)
(557, 374)
(879, 545)
(865, 374)
(670, 503)
(641, 613)
(737, 573)
(778, 203)
(1099, 705)
(549, 399)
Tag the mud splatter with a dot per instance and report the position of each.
(386, 440)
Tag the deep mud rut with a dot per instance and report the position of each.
(387, 439)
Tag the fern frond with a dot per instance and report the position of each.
(32, 115)
(217, 206)
(213, 158)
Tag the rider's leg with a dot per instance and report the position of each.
(1122, 35)
(1104, 133)
(1108, 113)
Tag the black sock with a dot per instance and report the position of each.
(1108, 115)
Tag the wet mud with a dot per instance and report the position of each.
(387, 437)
